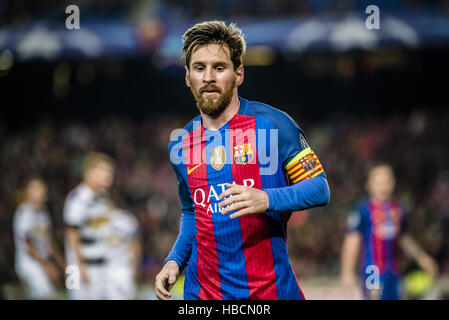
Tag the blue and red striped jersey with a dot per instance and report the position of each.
(381, 224)
(242, 258)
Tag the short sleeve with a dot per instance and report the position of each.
(73, 212)
(355, 221)
(134, 225)
(22, 224)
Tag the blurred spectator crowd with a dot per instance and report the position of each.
(415, 144)
(267, 8)
(18, 11)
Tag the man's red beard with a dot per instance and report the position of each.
(213, 106)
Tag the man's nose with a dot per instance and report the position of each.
(208, 76)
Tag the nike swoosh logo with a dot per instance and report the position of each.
(190, 170)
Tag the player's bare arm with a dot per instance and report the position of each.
(166, 279)
(48, 266)
(349, 255)
(243, 198)
(57, 255)
(414, 250)
(33, 252)
(136, 256)
(73, 239)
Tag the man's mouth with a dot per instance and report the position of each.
(210, 91)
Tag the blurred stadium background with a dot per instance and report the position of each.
(117, 85)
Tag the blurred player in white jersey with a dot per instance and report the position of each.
(38, 261)
(123, 256)
(87, 214)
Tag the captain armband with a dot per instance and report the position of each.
(303, 166)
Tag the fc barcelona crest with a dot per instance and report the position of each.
(243, 153)
(308, 162)
(218, 157)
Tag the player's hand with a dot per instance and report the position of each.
(53, 273)
(429, 265)
(349, 286)
(348, 280)
(245, 199)
(166, 279)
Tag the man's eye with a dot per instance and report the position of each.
(220, 69)
(199, 68)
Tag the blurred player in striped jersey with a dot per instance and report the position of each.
(87, 214)
(39, 263)
(242, 168)
(377, 228)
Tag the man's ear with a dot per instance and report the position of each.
(240, 72)
(187, 76)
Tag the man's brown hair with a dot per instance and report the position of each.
(378, 164)
(94, 158)
(215, 32)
